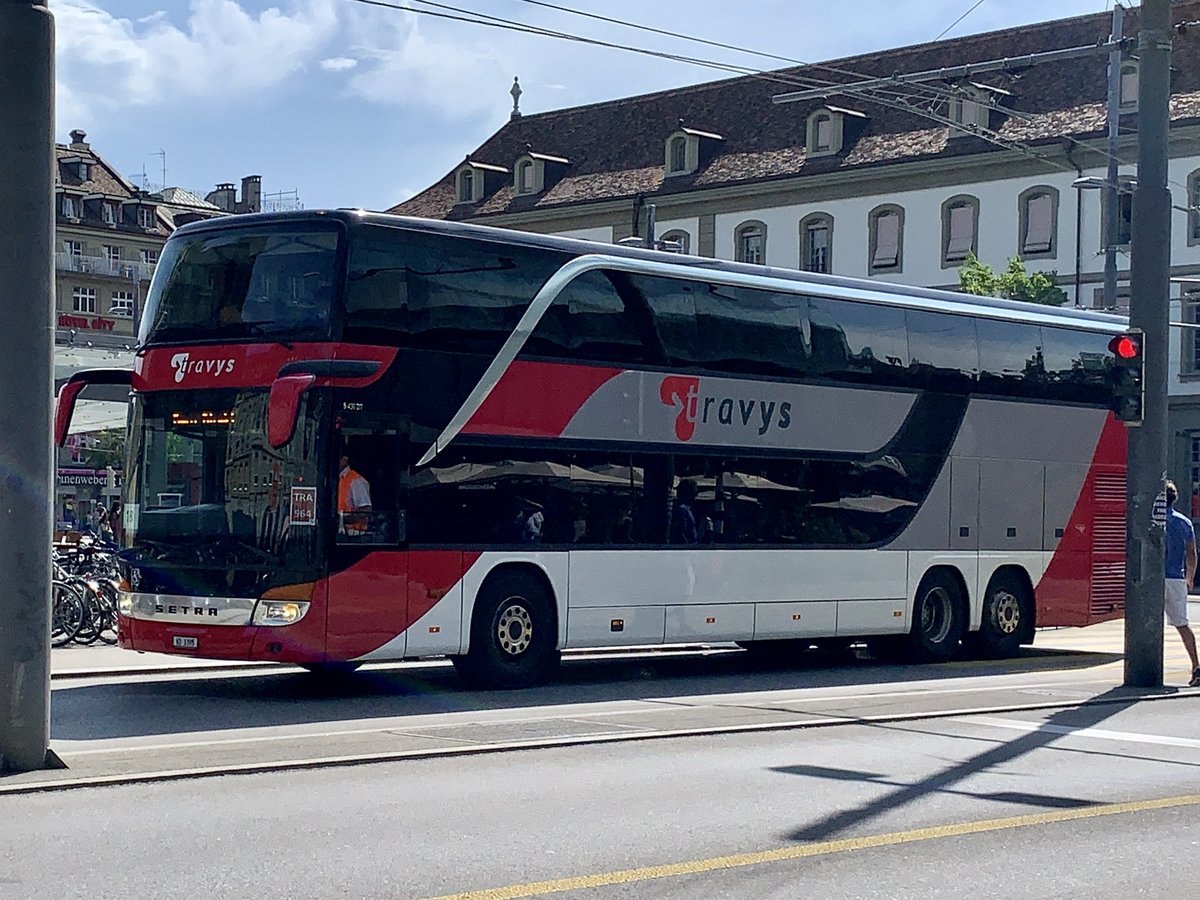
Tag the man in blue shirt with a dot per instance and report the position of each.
(1180, 574)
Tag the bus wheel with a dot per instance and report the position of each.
(938, 618)
(514, 642)
(1007, 617)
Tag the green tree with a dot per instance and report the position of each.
(104, 448)
(1014, 283)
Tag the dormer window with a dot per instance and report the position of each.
(1129, 86)
(145, 217)
(473, 180)
(108, 212)
(969, 110)
(683, 150)
(70, 209)
(84, 171)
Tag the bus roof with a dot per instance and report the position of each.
(1067, 316)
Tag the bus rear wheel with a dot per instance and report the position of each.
(939, 620)
(1007, 618)
(514, 641)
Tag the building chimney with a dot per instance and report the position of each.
(77, 140)
(251, 194)
(224, 197)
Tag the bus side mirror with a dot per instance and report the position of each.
(67, 395)
(65, 409)
(283, 405)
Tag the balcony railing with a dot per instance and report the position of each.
(101, 265)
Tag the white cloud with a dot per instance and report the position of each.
(220, 52)
(338, 63)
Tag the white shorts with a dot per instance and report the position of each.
(1175, 602)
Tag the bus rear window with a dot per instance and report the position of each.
(238, 284)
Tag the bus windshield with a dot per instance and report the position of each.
(205, 489)
(244, 284)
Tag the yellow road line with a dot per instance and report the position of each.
(782, 854)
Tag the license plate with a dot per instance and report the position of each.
(185, 643)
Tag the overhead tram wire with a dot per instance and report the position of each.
(978, 3)
(459, 14)
(931, 89)
(897, 100)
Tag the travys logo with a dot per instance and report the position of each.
(184, 365)
(695, 406)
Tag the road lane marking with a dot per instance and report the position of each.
(824, 848)
(1127, 737)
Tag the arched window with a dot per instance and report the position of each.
(886, 226)
(680, 238)
(823, 133)
(1038, 210)
(750, 243)
(816, 243)
(677, 155)
(525, 181)
(466, 185)
(960, 229)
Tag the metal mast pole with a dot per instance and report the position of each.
(27, 372)
(1150, 289)
(1112, 198)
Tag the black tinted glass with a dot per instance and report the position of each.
(750, 332)
(1077, 365)
(439, 292)
(943, 349)
(588, 321)
(243, 283)
(1010, 357)
(858, 341)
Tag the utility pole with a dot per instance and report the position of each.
(1111, 195)
(27, 372)
(1148, 310)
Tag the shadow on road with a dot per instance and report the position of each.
(947, 780)
(207, 702)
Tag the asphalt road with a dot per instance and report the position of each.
(784, 809)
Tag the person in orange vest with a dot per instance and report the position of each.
(354, 499)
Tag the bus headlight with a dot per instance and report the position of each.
(279, 612)
(125, 603)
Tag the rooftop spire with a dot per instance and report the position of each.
(516, 95)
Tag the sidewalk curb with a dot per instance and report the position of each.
(573, 741)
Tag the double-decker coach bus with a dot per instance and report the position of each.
(359, 437)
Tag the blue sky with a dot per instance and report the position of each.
(354, 105)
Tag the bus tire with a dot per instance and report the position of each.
(1007, 618)
(514, 639)
(939, 618)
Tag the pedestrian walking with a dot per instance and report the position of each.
(1180, 575)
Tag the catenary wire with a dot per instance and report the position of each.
(897, 100)
(978, 3)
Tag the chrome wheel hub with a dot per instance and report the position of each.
(514, 630)
(1007, 612)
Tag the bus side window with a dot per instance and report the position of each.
(367, 492)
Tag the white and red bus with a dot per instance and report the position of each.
(570, 445)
